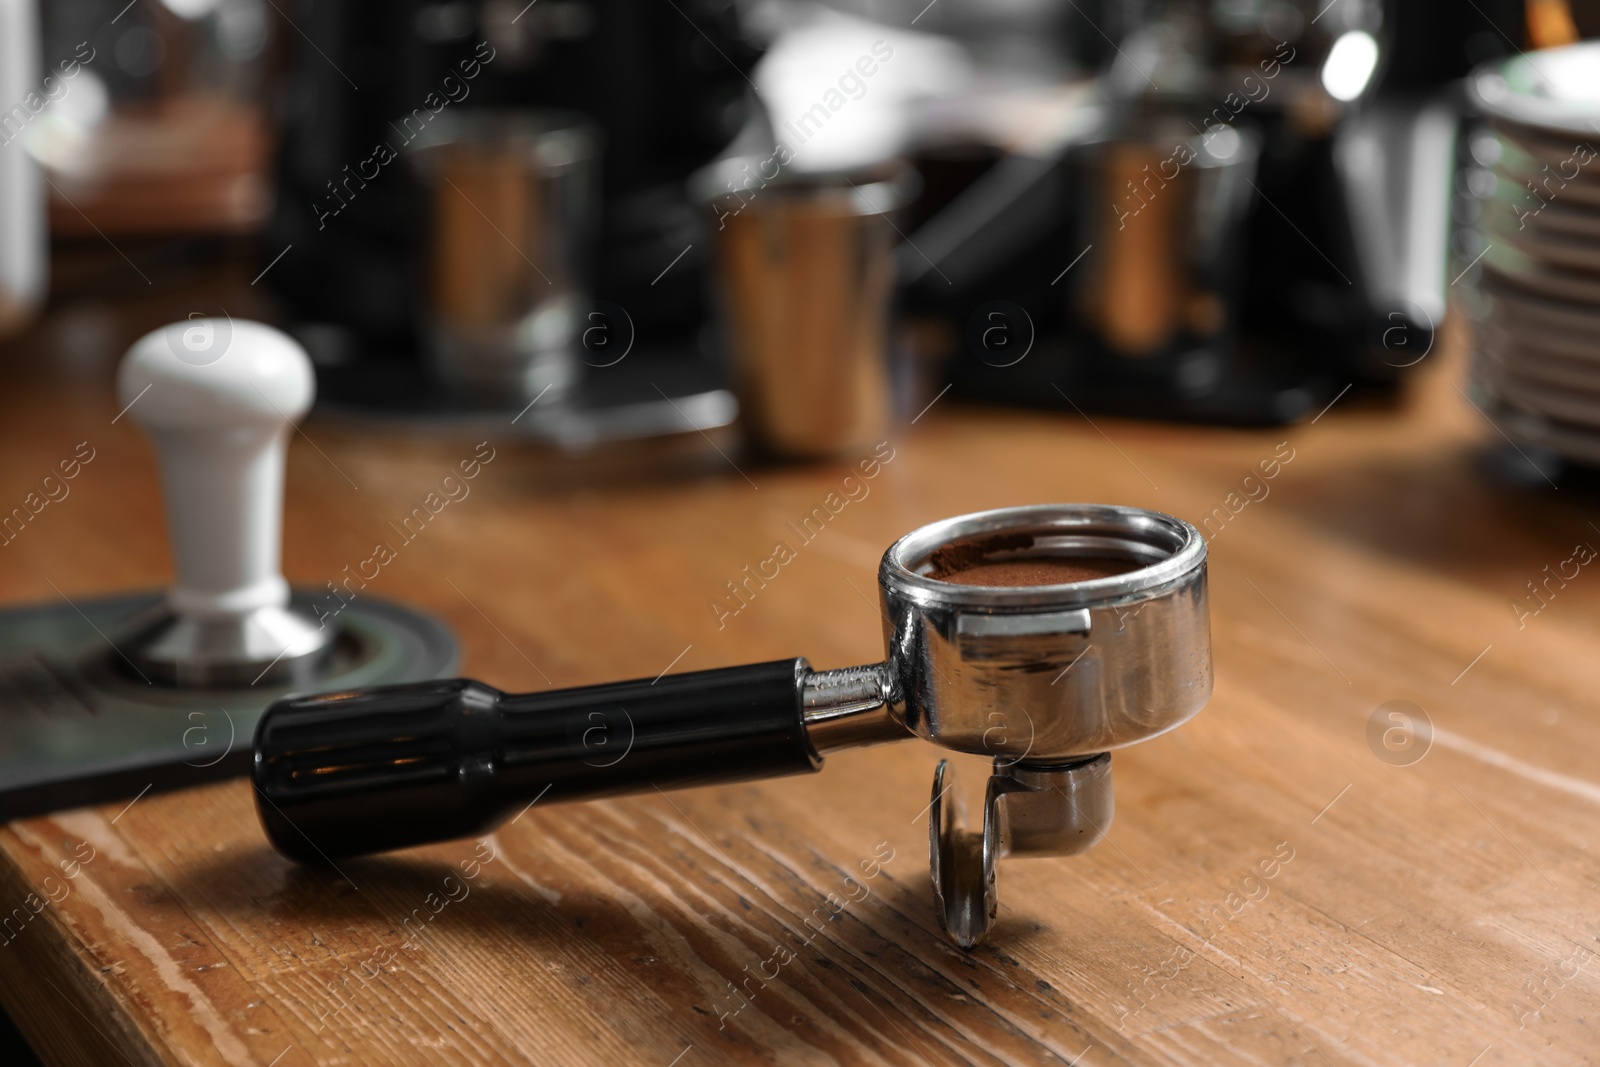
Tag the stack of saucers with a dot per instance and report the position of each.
(1538, 322)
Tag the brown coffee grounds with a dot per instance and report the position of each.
(971, 563)
(1038, 570)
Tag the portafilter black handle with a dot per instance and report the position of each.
(368, 770)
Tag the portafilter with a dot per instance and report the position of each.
(1043, 636)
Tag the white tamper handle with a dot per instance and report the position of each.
(218, 398)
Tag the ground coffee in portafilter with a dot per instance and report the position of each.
(984, 561)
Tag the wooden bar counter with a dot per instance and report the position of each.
(1281, 885)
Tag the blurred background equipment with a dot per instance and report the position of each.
(513, 199)
(24, 266)
(1337, 125)
(1538, 307)
(662, 89)
(162, 126)
(1227, 211)
(805, 270)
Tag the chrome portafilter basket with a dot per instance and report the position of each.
(1047, 679)
(1091, 633)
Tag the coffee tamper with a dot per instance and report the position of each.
(109, 697)
(1092, 635)
(218, 399)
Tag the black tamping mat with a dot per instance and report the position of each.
(79, 725)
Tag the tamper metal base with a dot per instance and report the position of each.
(80, 724)
(271, 646)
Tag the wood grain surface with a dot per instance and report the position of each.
(1271, 891)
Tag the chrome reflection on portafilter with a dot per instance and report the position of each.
(1043, 636)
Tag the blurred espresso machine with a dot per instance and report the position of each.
(611, 106)
(1254, 214)
(1231, 210)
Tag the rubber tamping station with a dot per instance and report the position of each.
(107, 697)
(1044, 636)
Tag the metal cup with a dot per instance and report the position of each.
(514, 197)
(1165, 209)
(805, 272)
